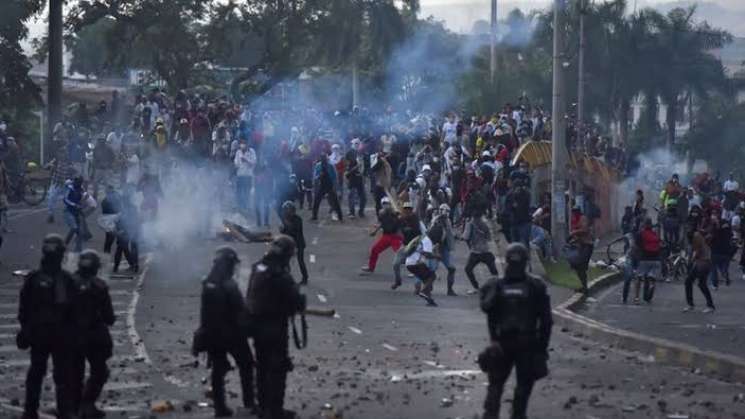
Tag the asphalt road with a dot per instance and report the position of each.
(386, 355)
(721, 331)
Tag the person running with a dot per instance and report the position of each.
(74, 213)
(411, 228)
(477, 235)
(389, 222)
(701, 258)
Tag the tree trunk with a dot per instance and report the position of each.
(623, 120)
(670, 118)
(55, 69)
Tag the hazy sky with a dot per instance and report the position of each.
(459, 15)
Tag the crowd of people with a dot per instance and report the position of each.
(700, 224)
(427, 182)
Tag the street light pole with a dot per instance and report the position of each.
(493, 41)
(581, 69)
(559, 155)
(54, 71)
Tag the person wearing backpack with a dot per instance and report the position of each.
(477, 235)
(650, 247)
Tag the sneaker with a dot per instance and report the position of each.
(361, 214)
(743, 277)
(472, 292)
(334, 217)
(396, 285)
(365, 270)
(350, 215)
(708, 310)
(426, 298)
(637, 301)
(688, 309)
(451, 293)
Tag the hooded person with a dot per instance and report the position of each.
(389, 223)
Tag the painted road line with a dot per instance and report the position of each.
(134, 337)
(126, 385)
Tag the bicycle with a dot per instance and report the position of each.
(27, 188)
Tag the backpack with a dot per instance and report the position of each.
(650, 242)
(412, 246)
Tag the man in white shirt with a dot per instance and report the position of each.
(450, 130)
(418, 263)
(730, 189)
(245, 162)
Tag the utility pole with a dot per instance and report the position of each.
(54, 71)
(581, 69)
(559, 155)
(493, 42)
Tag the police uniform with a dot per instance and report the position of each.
(94, 314)
(273, 297)
(46, 318)
(222, 322)
(518, 312)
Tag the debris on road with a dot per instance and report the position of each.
(162, 406)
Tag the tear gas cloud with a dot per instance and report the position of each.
(654, 168)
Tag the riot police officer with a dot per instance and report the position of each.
(222, 323)
(94, 314)
(273, 298)
(46, 318)
(518, 310)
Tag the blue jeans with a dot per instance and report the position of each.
(242, 191)
(73, 222)
(521, 233)
(540, 238)
(719, 263)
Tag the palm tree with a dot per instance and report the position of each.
(682, 61)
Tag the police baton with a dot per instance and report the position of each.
(320, 312)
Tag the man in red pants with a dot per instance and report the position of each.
(389, 222)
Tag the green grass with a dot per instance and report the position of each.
(562, 275)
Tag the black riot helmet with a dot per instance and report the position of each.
(516, 257)
(53, 244)
(52, 253)
(223, 265)
(227, 255)
(282, 248)
(89, 263)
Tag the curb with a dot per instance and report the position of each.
(710, 363)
